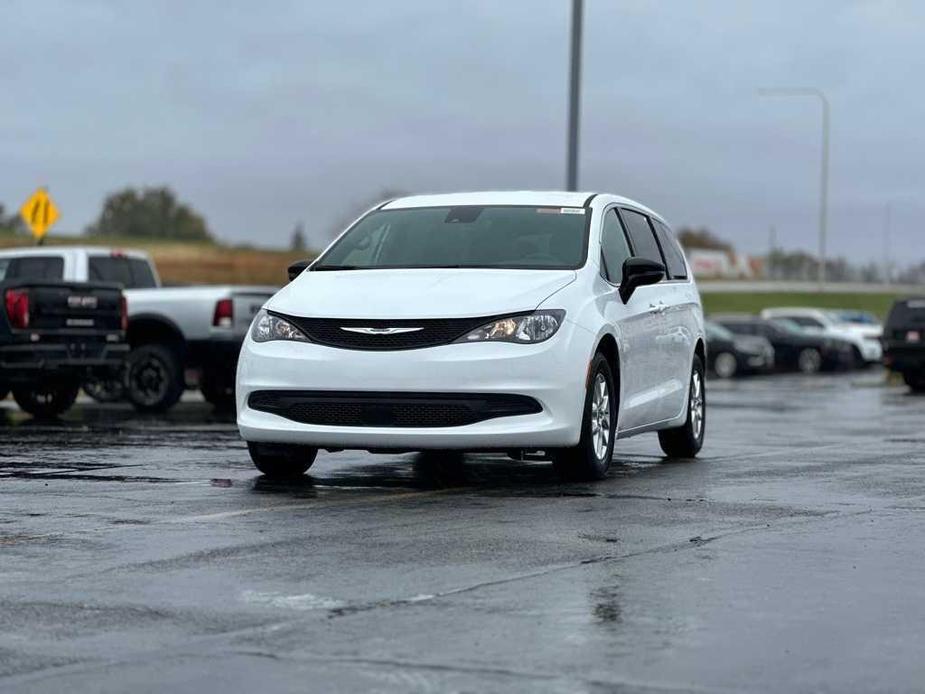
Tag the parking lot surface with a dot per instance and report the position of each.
(146, 554)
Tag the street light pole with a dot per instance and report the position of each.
(574, 109)
(824, 173)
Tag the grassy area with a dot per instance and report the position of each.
(195, 263)
(753, 302)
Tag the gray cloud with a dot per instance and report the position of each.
(261, 114)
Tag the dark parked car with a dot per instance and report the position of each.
(730, 355)
(904, 341)
(794, 349)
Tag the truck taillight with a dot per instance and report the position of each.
(17, 308)
(123, 314)
(224, 314)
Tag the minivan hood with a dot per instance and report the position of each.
(417, 293)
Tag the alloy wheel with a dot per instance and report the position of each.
(600, 417)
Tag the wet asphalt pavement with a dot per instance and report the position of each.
(146, 554)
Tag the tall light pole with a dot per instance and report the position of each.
(887, 228)
(574, 97)
(824, 174)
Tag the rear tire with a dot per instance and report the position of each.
(915, 381)
(154, 378)
(809, 361)
(217, 390)
(687, 440)
(590, 459)
(280, 461)
(46, 400)
(725, 365)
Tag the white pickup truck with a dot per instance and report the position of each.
(179, 336)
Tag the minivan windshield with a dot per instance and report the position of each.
(496, 236)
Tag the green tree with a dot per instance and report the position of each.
(149, 213)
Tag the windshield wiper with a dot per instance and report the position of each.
(337, 267)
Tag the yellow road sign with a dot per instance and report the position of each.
(39, 212)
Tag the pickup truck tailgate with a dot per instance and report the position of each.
(74, 307)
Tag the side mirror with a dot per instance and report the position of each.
(297, 268)
(639, 272)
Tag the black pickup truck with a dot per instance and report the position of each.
(55, 334)
(904, 341)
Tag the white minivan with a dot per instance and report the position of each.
(512, 321)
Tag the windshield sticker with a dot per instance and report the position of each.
(560, 210)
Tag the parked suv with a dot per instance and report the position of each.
(509, 321)
(904, 341)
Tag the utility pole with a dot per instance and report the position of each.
(824, 172)
(574, 98)
(772, 250)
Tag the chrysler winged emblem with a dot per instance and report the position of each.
(380, 331)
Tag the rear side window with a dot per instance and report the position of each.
(142, 276)
(905, 313)
(674, 258)
(642, 236)
(614, 247)
(805, 321)
(38, 267)
(131, 273)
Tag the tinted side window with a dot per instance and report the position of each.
(614, 247)
(142, 277)
(104, 268)
(39, 267)
(674, 259)
(643, 238)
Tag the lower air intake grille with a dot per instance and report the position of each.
(389, 409)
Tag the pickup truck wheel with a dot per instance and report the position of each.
(46, 400)
(281, 461)
(154, 378)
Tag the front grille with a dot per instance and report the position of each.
(433, 331)
(349, 409)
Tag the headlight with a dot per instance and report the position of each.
(268, 327)
(528, 328)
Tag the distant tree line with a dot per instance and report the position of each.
(150, 214)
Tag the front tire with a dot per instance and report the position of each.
(280, 461)
(590, 459)
(809, 361)
(46, 400)
(687, 440)
(154, 378)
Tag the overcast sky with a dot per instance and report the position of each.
(260, 114)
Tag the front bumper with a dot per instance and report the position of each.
(553, 373)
